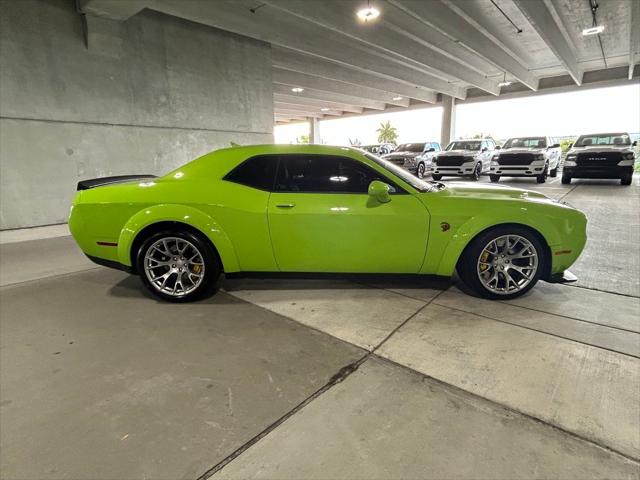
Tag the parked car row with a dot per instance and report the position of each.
(602, 155)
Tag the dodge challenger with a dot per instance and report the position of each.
(315, 208)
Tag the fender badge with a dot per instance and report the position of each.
(445, 226)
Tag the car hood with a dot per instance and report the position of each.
(522, 150)
(457, 153)
(498, 192)
(402, 154)
(602, 149)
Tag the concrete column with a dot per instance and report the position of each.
(448, 120)
(314, 131)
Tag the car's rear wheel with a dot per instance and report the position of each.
(476, 172)
(494, 178)
(627, 179)
(178, 266)
(566, 179)
(436, 177)
(503, 262)
(421, 170)
(554, 172)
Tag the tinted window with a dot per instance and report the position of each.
(257, 172)
(324, 174)
(464, 145)
(411, 147)
(526, 142)
(603, 139)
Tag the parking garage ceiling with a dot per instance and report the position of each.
(327, 62)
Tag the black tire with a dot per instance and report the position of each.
(494, 178)
(566, 179)
(420, 172)
(436, 177)
(467, 265)
(543, 176)
(475, 176)
(212, 265)
(627, 179)
(554, 173)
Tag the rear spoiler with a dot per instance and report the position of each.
(99, 182)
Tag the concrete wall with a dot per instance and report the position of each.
(142, 96)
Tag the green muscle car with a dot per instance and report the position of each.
(314, 208)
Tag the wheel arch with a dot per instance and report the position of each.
(468, 233)
(152, 219)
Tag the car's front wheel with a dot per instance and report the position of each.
(554, 172)
(476, 172)
(566, 179)
(503, 262)
(178, 266)
(627, 179)
(436, 177)
(494, 178)
(543, 176)
(421, 170)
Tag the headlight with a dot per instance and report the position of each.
(434, 161)
(495, 158)
(540, 157)
(628, 156)
(570, 163)
(571, 156)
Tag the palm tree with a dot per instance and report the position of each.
(387, 133)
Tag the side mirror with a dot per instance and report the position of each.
(498, 147)
(431, 150)
(484, 149)
(555, 145)
(635, 142)
(380, 191)
(570, 145)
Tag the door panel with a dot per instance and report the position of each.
(342, 232)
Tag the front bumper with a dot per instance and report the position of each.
(463, 170)
(584, 171)
(531, 170)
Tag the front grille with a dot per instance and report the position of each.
(453, 161)
(594, 159)
(516, 159)
(397, 160)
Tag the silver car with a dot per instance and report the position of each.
(414, 157)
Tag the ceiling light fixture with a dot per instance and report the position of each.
(368, 13)
(397, 98)
(504, 82)
(324, 109)
(297, 89)
(593, 30)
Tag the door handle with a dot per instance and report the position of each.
(285, 205)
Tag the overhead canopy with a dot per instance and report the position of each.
(327, 62)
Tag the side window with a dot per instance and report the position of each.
(491, 145)
(257, 172)
(483, 145)
(324, 174)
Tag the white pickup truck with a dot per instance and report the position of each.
(535, 157)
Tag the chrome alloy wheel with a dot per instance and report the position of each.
(174, 266)
(507, 264)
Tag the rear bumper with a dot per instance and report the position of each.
(111, 264)
(597, 172)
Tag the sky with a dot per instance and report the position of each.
(559, 114)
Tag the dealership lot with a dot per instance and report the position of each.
(315, 378)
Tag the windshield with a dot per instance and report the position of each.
(603, 139)
(411, 147)
(415, 182)
(526, 142)
(466, 145)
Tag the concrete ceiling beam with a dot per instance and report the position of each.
(338, 16)
(289, 78)
(329, 97)
(286, 59)
(446, 21)
(284, 29)
(543, 19)
(297, 100)
(112, 9)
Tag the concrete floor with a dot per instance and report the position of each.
(324, 378)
